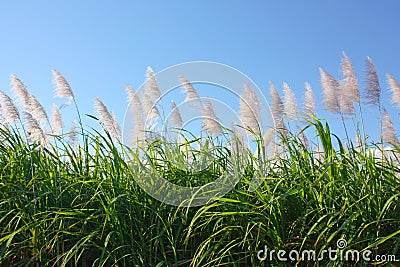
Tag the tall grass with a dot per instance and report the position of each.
(79, 204)
(82, 206)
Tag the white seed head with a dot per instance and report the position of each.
(330, 87)
(34, 131)
(373, 89)
(277, 107)
(394, 87)
(389, 133)
(176, 117)
(62, 87)
(290, 103)
(37, 110)
(151, 85)
(192, 97)
(349, 83)
(149, 108)
(19, 91)
(116, 126)
(135, 106)
(56, 120)
(106, 119)
(8, 109)
(309, 102)
(210, 121)
(249, 110)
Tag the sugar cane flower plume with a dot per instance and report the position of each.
(277, 107)
(210, 121)
(389, 133)
(116, 126)
(176, 118)
(394, 87)
(349, 83)
(151, 86)
(250, 110)
(330, 88)
(28, 101)
(36, 109)
(290, 103)
(33, 130)
(150, 111)
(8, 109)
(20, 92)
(373, 88)
(135, 107)
(107, 121)
(62, 87)
(309, 102)
(192, 97)
(56, 123)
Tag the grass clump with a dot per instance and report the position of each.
(81, 206)
(81, 198)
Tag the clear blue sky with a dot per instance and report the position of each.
(99, 46)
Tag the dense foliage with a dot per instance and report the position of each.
(65, 205)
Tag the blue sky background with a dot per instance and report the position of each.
(100, 46)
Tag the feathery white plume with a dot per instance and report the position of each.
(395, 89)
(389, 134)
(29, 102)
(116, 126)
(20, 91)
(309, 102)
(105, 116)
(176, 117)
(348, 92)
(33, 129)
(9, 110)
(149, 108)
(373, 89)
(249, 109)
(191, 94)
(106, 119)
(349, 83)
(277, 107)
(62, 87)
(210, 121)
(135, 106)
(134, 102)
(56, 120)
(37, 110)
(151, 86)
(290, 103)
(330, 92)
(346, 103)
